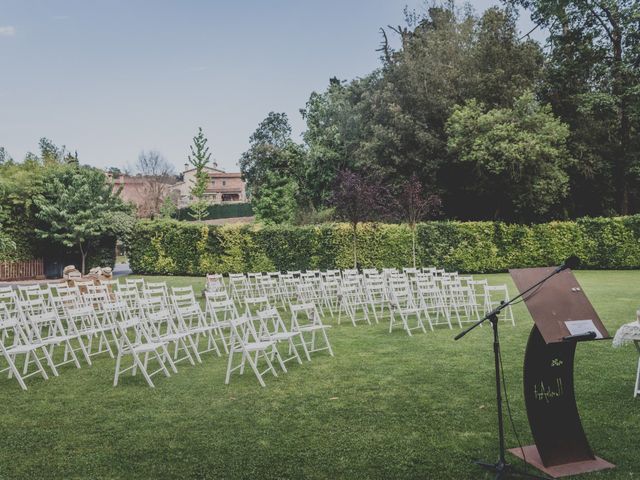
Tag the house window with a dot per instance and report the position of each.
(213, 182)
(224, 183)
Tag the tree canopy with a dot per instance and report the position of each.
(493, 123)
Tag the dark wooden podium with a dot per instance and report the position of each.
(559, 309)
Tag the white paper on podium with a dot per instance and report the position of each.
(580, 327)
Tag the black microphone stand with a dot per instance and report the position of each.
(501, 467)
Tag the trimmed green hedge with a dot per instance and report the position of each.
(230, 210)
(184, 248)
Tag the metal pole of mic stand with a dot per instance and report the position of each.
(501, 467)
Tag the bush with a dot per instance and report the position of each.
(171, 247)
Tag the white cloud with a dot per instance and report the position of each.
(7, 30)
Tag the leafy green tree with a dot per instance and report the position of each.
(76, 207)
(168, 209)
(592, 78)
(276, 203)
(6, 242)
(337, 126)
(199, 158)
(518, 156)
(4, 156)
(392, 122)
(274, 161)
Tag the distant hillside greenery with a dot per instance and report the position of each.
(495, 125)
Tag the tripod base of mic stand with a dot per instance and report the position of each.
(504, 470)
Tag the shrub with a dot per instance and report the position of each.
(171, 247)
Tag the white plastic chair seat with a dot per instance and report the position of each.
(312, 328)
(145, 347)
(57, 339)
(18, 349)
(172, 337)
(93, 330)
(410, 310)
(253, 346)
(280, 336)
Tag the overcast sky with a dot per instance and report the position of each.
(110, 78)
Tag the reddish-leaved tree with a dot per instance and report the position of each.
(358, 199)
(413, 205)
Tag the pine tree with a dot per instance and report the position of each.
(199, 158)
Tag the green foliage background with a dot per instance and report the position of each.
(168, 247)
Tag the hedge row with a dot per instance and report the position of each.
(229, 210)
(184, 248)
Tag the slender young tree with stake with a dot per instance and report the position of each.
(414, 205)
(357, 199)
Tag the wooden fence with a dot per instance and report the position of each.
(22, 270)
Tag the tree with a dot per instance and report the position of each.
(277, 202)
(6, 243)
(169, 208)
(274, 162)
(199, 158)
(75, 208)
(357, 199)
(592, 78)
(157, 173)
(518, 156)
(115, 172)
(4, 156)
(412, 205)
(392, 121)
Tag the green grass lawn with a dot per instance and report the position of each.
(386, 406)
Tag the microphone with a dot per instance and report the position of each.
(571, 262)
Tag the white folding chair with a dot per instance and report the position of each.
(353, 300)
(135, 340)
(376, 293)
(164, 329)
(245, 341)
(15, 342)
(214, 282)
(193, 320)
(85, 324)
(306, 319)
(494, 296)
(403, 305)
(137, 283)
(431, 302)
(48, 330)
(273, 328)
(219, 312)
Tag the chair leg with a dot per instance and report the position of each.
(229, 363)
(117, 374)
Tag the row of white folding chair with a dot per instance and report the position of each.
(264, 325)
(255, 337)
(81, 314)
(36, 330)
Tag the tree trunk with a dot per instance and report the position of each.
(83, 253)
(624, 131)
(355, 247)
(413, 241)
